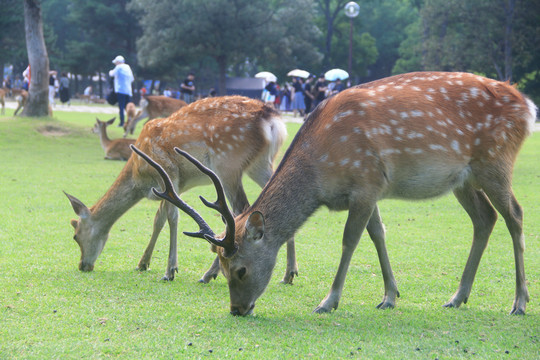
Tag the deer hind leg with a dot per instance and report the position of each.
(483, 217)
(500, 193)
(376, 232)
(159, 222)
(356, 223)
(260, 172)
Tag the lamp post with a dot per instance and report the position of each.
(352, 10)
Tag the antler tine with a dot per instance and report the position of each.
(170, 195)
(219, 205)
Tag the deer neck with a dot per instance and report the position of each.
(121, 196)
(288, 200)
(104, 138)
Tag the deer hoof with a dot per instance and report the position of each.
(289, 277)
(207, 278)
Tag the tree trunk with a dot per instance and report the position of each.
(222, 63)
(38, 94)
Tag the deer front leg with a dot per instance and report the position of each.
(376, 232)
(172, 264)
(483, 217)
(356, 223)
(292, 265)
(159, 222)
(211, 273)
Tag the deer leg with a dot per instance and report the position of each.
(211, 273)
(356, 223)
(483, 217)
(292, 265)
(172, 264)
(505, 202)
(159, 222)
(376, 232)
(261, 172)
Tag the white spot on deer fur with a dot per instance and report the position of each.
(229, 146)
(430, 128)
(449, 82)
(416, 88)
(417, 113)
(344, 162)
(481, 104)
(431, 90)
(498, 103)
(323, 157)
(506, 98)
(469, 127)
(372, 93)
(503, 135)
(404, 114)
(235, 137)
(398, 87)
(400, 131)
(343, 138)
(474, 92)
(491, 152)
(414, 151)
(439, 111)
(430, 114)
(392, 111)
(477, 141)
(385, 152)
(414, 135)
(357, 130)
(357, 163)
(443, 90)
(459, 82)
(437, 147)
(485, 95)
(227, 128)
(358, 150)
(398, 138)
(341, 115)
(455, 146)
(428, 97)
(361, 112)
(327, 126)
(459, 132)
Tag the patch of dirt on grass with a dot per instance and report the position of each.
(52, 130)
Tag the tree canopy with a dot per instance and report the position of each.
(218, 38)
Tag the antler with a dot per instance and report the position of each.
(219, 205)
(169, 194)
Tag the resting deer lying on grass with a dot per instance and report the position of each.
(412, 136)
(231, 135)
(117, 149)
(153, 107)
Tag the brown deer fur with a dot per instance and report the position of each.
(412, 136)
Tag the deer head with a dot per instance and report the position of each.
(84, 231)
(247, 276)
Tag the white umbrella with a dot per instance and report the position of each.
(268, 76)
(334, 74)
(299, 73)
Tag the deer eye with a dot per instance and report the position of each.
(241, 273)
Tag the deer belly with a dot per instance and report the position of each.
(425, 182)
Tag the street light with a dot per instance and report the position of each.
(352, 10)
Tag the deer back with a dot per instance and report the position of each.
(162, 106)
(227, 134)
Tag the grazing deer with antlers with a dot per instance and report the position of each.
(232, 135)
(152, 107)
(117, 149)
(412, 136)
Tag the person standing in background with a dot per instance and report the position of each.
(52, 86)
(64, 89)
(123, 78)
(187, 88)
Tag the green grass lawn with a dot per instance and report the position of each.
(49, 310)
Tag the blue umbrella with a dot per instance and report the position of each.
(334, 74)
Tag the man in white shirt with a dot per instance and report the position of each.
(123, 77)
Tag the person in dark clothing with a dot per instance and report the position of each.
(187, 88)
(320, 90)
(308, 96)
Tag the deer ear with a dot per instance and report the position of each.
(111, 121)
(79, 208)
(255, 226)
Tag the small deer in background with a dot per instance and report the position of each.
(413, 136)
(232, 135)
(3, 93)
(117, 149)
(131, 112)
(152, 107)
(21, 96)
